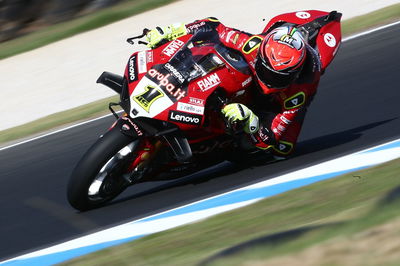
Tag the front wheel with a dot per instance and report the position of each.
(98, 176)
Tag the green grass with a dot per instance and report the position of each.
(61, 119)
(330, 217)
(380, 17)
(34, 40)
(67, 29)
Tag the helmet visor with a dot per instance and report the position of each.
(272, 78)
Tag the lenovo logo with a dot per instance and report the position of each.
(185, 118)
(132, 69)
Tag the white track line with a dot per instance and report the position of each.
(370, 31)
(208, 207)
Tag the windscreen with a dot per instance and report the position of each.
(193, 61)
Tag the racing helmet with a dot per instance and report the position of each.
(280, 58)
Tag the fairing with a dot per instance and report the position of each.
(174, 81)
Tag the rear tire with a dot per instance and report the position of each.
(99, 157)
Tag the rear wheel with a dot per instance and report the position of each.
(99, 175)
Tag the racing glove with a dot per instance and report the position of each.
(236, 112)
(171, 32)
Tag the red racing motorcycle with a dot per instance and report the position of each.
(172, 97)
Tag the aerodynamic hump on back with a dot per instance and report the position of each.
(322, 30)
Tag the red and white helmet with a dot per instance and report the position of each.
(280, 58)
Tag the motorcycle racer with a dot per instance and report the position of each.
(286, 70)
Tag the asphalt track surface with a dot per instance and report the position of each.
(357, 106)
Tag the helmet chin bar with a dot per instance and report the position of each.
(272, 79)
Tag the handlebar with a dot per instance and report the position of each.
(130, 40)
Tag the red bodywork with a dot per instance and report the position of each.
(191, 99)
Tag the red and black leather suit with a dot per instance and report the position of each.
(281, 111)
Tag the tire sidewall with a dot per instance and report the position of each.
(90, 165)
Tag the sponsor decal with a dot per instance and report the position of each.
(185, 118)
(229, 35)
(290, 112)
(142, 63)
(173, 47)
(147, 98)
(284, 147)
(280, 129)
(175, 72)
(209, 82)
(196, 101)
(132, 69)
(295, 101)
(285, 120)
(252, 44)
(330, 40)
(189, 108)
(235, 39)
(287, 39)
(150, 56)
(147, 104)
(303, 15)
(263, 135)
(253, 64)
(125, 127)
(195, 26)
(164, 81)
(135, 127)
(247, 81)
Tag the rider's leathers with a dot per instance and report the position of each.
(281, 111)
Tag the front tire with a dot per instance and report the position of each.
(97, 178)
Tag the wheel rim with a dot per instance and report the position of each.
(110, 177)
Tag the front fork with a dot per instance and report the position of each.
(146, 152)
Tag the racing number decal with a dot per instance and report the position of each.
(295, 101)
(147, 98)
(252, 44)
